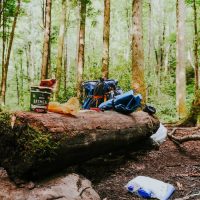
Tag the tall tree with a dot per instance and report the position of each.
(196, 64)
(180, 57)
(46, 44)
(150, 42)
(66, 56)
(137, 50)
(81, 47)
(61, 42)
(7, 57)
(106, 39)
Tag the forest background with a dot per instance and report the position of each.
(159, 22)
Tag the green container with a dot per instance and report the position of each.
(40, 98)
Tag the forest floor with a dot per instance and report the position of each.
(171, 163)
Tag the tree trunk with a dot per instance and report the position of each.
(17, 84)
(137, 49)
(166, 62)
(46, 44)
(65, 63)
(81, 48)
(196, 64)
(6, 63)
(21, 81)
(1, 10)
(106, 39)
(180, 54)
(28, 65)
(61, 42)
(39, 144)
(3, 44)
(43, 12)
(150, 43)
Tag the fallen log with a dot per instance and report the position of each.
(35, 144)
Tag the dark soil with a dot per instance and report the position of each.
(171, 163)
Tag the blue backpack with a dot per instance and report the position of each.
(97, 92)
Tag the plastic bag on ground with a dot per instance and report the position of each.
(147, 187)
(160, 136)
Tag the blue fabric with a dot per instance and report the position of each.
(125, 103)
(91, 88)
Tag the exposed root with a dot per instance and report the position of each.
(188, 196)
(180, 140)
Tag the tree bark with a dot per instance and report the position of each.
(196, 64)
(150, 43)
(106, 39)
(6, 63)
(39, 144)
(28, 65)
(3, 43)
(81, 48)
(61, 42)
(21, 80)
(180, 56)
(17, 85)
(46, 44)
(66, 56)
(137, 49)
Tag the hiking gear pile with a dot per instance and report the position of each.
(97, 92)
(107, 95)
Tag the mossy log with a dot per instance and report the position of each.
(38, 144)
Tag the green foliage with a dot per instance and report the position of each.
(161, 89)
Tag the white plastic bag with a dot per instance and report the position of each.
(147, 187)
(160, 136)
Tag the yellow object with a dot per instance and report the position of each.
(71, 107)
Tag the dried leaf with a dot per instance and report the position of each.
(179, 185)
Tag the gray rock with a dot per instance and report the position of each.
(69, 187)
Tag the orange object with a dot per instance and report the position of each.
(55, 107)
(71, 107)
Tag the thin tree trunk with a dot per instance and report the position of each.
(61, 42)
(196, 64)
(137, 50)
(180, 53)
(149, 34)
(49, 55)
(65, 65)
(1, 10)
(66, 56)
(17, 84)
(166, 62)
(43, 12)
(162, 51)
(106, 39)
(45, 52)
(81, 49)
(28, 65)
(6, 64)
(3, 44)
(78, 33)
(21, 81)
